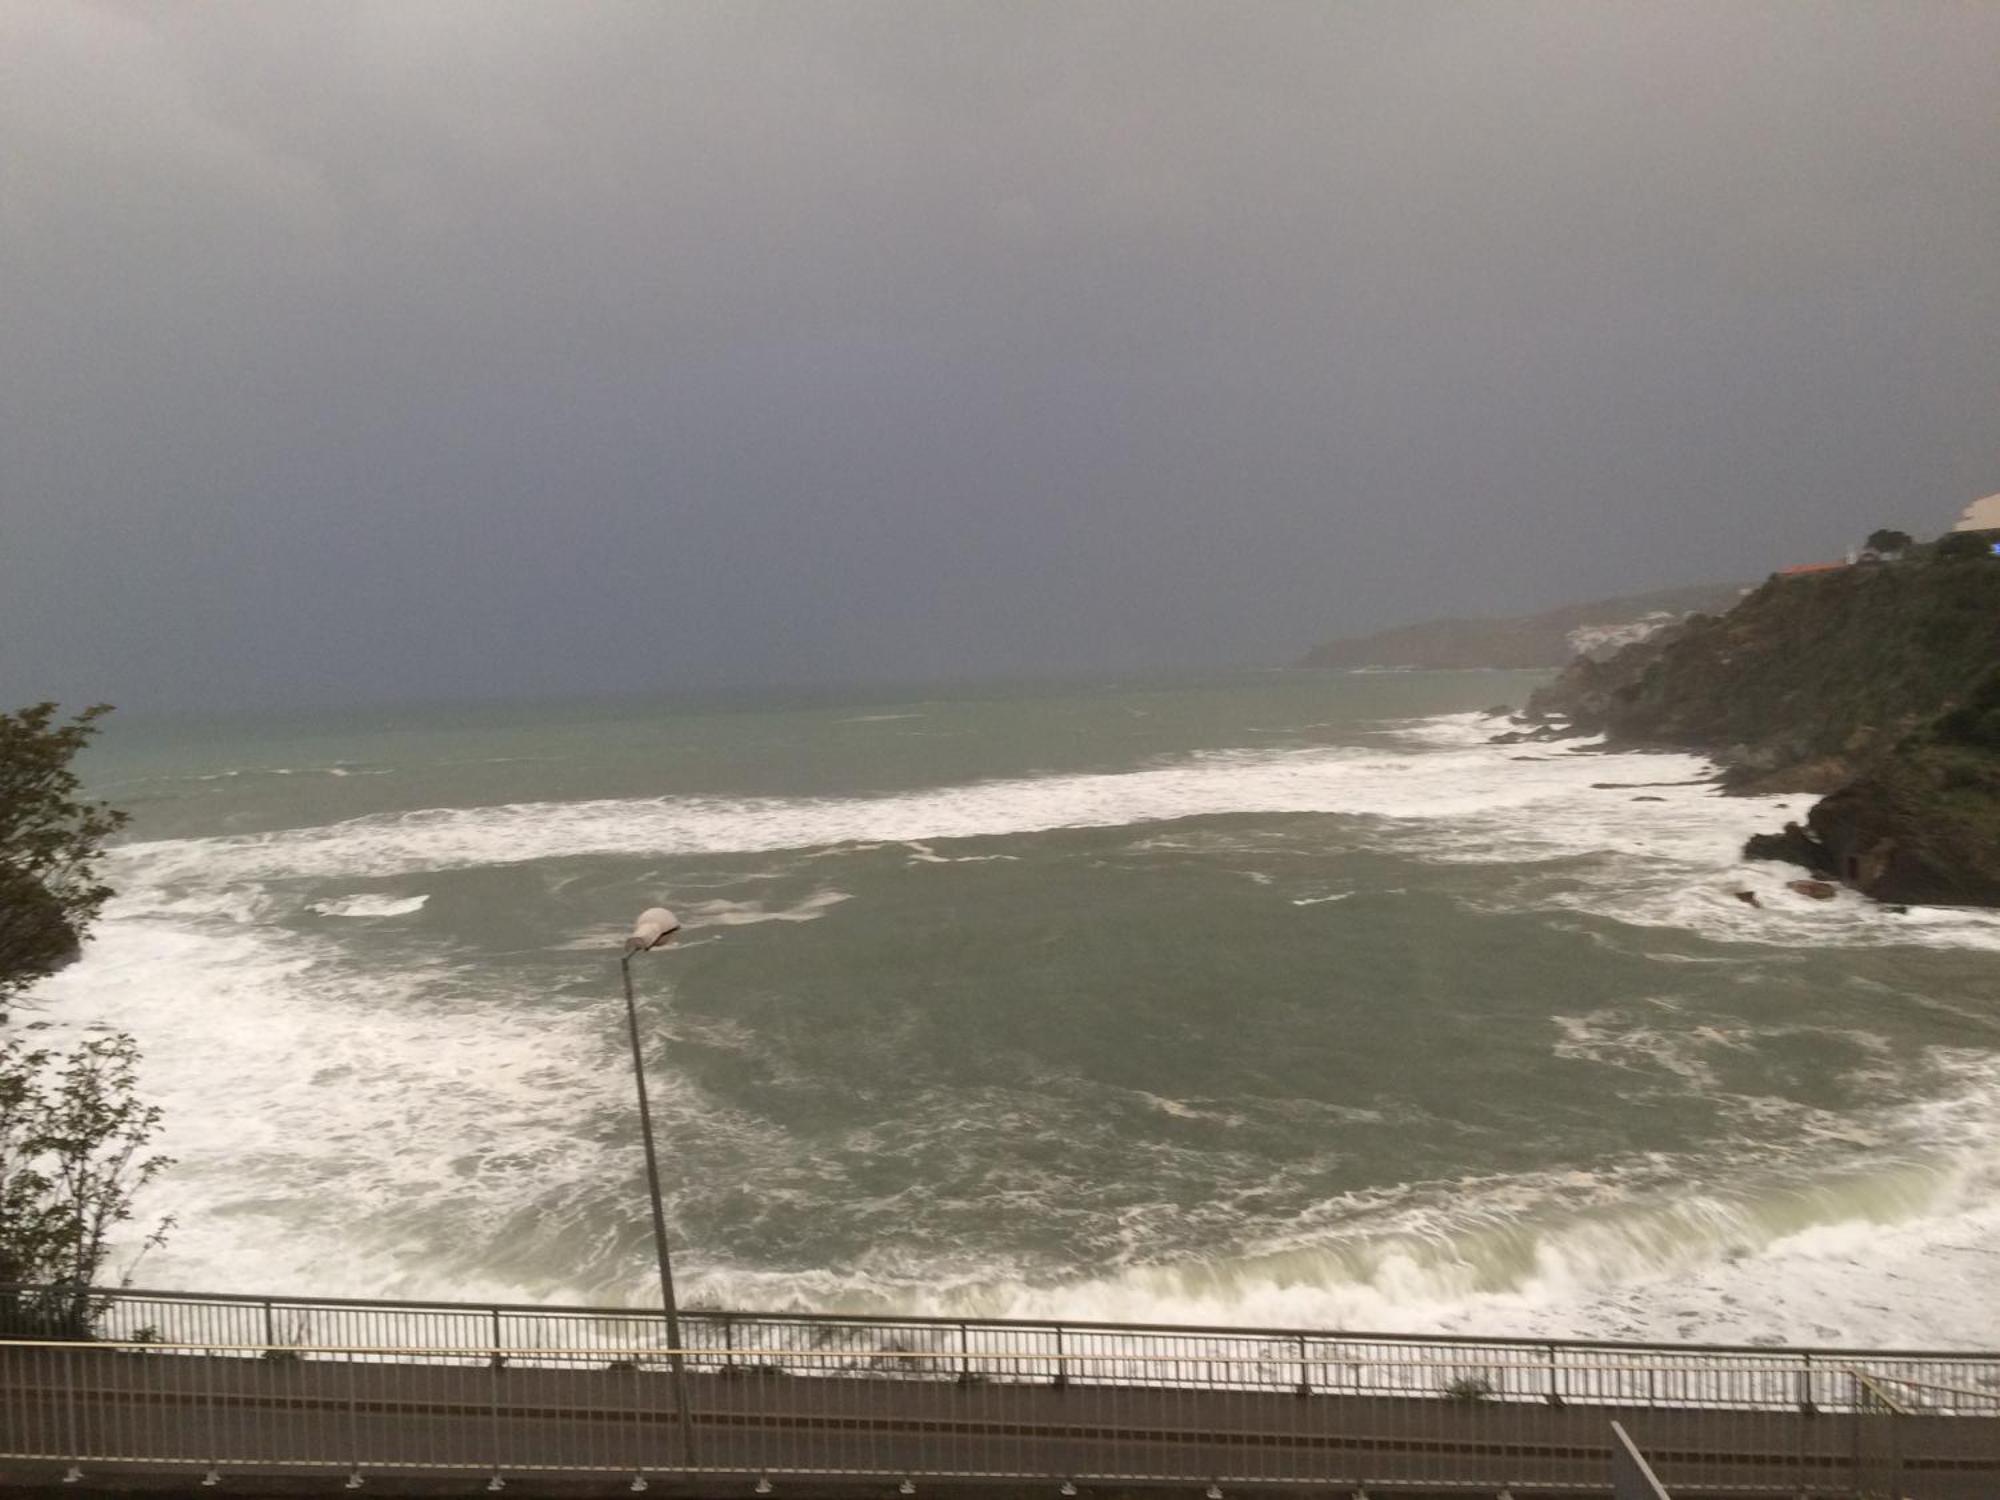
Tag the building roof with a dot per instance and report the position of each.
(1981, 515)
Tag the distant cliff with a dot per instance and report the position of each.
(1878, 684)
(1545, 640)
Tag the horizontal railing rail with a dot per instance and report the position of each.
(945, 1320)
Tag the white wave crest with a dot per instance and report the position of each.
(369, 906)
(1386, 784)
(1666, 843)
(721, 913)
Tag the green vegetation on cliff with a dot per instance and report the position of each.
(1806, 682)
(1878, 684)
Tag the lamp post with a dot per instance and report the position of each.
(655, 929)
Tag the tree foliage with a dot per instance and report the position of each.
(1888, 540)
(73, 1156)
(51, 841)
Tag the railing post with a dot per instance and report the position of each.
(1554, 1397)
(493, 1407)
(1305, 1369)
(1061, 1381)
(270, 1327)
(1806, 1404)
(964, 1355)
(69, 1409)
(353, 1417)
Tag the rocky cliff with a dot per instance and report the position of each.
(1878, 685)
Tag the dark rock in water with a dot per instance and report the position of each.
(1632, 786)
(1748, 898)
(1500, 711)
(1540, 736)
(1921, 828)
(1649, 799)
(1819, 890)
(1794, 846)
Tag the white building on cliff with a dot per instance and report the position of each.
(1981, 515)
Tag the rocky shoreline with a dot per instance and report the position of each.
(1875, 688)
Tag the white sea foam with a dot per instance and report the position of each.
(1670, 860)
(1656, 1249)
(719, 913)
(924, 854)
(1858, 1282)
(327, 1121)
(336, 770)
(1354, 781)
(369, 906)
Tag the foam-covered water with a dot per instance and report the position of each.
(1358, 1021)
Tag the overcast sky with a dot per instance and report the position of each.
(361, 350)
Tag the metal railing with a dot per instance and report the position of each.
(270, 1384)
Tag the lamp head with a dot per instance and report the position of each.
(654, 929)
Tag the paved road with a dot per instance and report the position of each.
(181, 1413)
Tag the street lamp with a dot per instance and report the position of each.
(656, 928)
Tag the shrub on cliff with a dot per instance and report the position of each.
(73, 1156)
(1976, 720)
(73, 1131)
(51, 840)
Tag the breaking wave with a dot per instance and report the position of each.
(1666, 843)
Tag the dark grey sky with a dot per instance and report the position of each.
(368, 350)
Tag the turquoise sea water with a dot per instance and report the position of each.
(1275, 998)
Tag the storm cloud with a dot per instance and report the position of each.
(377, 350)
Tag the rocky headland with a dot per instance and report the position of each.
(1548, 639)
(1875, 686)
